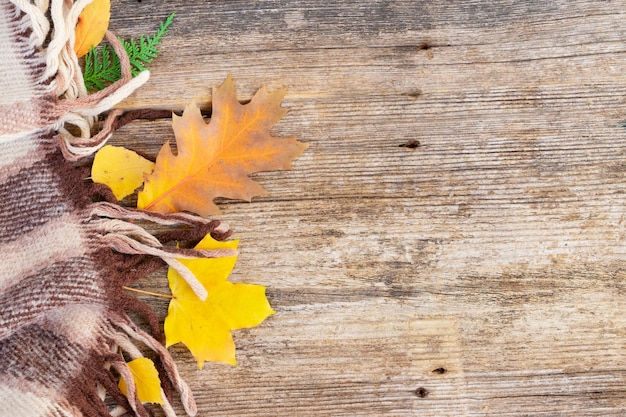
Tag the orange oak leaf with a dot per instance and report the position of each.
(92, 25)
(214, 159)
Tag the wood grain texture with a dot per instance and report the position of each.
(481, 273)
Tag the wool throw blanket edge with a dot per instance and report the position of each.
(64, 327)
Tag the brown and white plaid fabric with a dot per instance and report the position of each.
(64, 328)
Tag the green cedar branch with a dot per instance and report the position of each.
(102, 65)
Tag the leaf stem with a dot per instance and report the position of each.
(155, 294)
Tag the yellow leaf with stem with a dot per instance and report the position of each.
(147, 382)
(205, 326)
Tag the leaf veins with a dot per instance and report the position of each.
(215, 159)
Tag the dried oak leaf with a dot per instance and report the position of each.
(215, 159)
(92, 24)
(205, 326)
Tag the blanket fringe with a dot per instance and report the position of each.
(78, 108)
(34, 20)
(81, 111)
(123, 335)
(115, 211)
(110, 225)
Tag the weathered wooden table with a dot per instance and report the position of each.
(452, 243)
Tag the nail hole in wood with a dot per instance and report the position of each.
(421, 392)
(413, 94)
(412, 144)
(424, 46)
(440, 371)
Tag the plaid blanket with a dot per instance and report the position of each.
(65, 335)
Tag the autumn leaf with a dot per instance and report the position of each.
(92, 25)
(121, 169)
(147, 382)
(214, 159)
(205, 326)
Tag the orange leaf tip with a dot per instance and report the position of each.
(92, 24)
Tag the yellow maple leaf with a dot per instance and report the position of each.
(121, 169)
(205, 326)
(92, 24)
(147, 382)
(214, 159)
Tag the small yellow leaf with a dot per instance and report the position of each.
(146, 379)
(92, 24)
(204, 326)
(121, 169)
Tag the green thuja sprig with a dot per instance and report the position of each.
(102, 65)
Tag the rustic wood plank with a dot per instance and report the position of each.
(479, 273)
